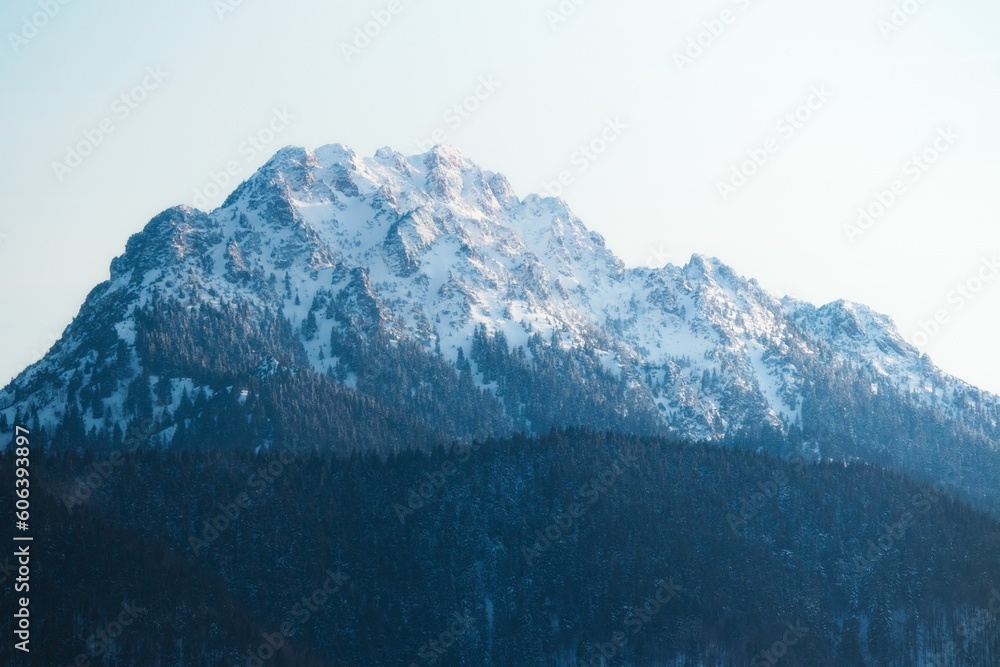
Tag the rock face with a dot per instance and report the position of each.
(425, 286)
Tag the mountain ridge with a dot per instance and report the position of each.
(429, 261)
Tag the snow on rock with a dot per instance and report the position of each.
(437, 247)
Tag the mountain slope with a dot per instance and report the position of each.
(427, 287)
(675, 556)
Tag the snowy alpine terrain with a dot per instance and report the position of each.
(434, 256)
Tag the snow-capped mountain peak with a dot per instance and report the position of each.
(434, 251)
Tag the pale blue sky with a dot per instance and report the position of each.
(653, 193)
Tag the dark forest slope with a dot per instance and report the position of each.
(518, 552)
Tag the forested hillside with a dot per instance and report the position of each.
(550, 551)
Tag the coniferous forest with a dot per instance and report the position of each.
(575, 548)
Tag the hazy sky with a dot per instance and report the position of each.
(825, 108)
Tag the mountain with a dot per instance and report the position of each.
(393, 302)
